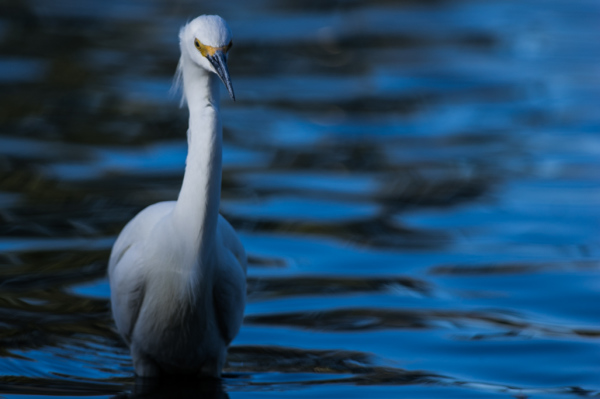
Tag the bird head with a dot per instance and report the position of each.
(207, 40)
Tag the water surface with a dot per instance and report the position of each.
(416, 183)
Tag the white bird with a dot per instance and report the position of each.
(178, 270)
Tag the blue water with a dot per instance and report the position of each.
(416, 183)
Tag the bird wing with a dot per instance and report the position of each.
(125, 267)
(127, 293)
(137, 229)
(229, 291)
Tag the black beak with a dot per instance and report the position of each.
(219, 62)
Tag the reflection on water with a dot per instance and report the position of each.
(416, 184)
(176, 388)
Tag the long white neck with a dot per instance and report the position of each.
(197, 209)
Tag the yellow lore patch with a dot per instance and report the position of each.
(209, 51)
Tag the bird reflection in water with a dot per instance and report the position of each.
(176, 388)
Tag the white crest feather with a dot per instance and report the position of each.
(177, 85)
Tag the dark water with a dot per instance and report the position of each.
(417, 184)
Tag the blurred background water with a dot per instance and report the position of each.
(416, 183)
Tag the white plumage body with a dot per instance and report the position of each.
(178, 270)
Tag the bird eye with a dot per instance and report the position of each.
(201, 47)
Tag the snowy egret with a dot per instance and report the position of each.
(178, 270)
